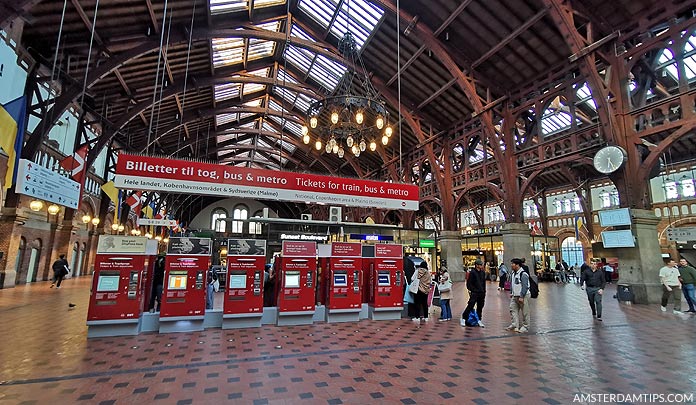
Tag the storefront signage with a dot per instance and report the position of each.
(426, 243)
(189, 177)
(296, 236)
(359, 236)
(36, 181)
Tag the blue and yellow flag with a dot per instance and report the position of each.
(12, 127)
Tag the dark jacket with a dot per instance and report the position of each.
(59, 267)
(595, 279)
(476, 281)
(687, 274)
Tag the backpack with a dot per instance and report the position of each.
(533, 288)
(472, 320)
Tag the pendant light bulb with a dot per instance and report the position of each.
(328, 147)
(359, 117)
(385, 140)
(388, 131)
(334, 148)
(334, 118)
(305, 139)
(341, 152)
(373, 145)
(318, 144)
(363, 145)
(350, 141)
(380, 122)
(332, 142)
(313, 122)
(305, 130)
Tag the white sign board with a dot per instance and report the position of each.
(616, 217)
(122, 244)
(618, 239)
(684, 234)
(156, 222)
(36, 181)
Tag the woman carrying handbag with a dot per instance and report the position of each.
(445, 287)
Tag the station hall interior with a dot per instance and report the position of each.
(304, 157)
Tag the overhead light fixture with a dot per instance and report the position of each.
(121, 228)
(86, 218)
(114, 226)
(95, 221)
(53, 209)
(36, 205)
(347, 121)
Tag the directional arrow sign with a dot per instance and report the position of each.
(681, 234)
(47, 185)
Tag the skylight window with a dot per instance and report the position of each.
(226, 91)
(666, 60)
(555, 121)
(585, 96)
(231, 6)
(300, 101)
(230, 51)
(323, 70)
(364, 17)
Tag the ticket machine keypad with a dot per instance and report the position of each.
(257, 283)
(199, 280)
(356, 281)
(133, 285)
(399, 277)
(309, 279)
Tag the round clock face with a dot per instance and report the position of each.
(609, 159)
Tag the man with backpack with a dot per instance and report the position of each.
(520, 295)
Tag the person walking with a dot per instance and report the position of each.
(445, 287)
(593, 281)
(60, 270)
(421, 298)
(519, 297)
(687, 276)
(609, 272)
(669, 278)
(502, 276)
(476, 284)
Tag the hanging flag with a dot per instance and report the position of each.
(148, 210)
(12, 128)
(134, 202)
(111, 191)
(536, 230)
(578, 225)
(75, 164)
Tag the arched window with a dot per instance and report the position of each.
(571, 252)
(240, 212)
(217, 222)
(255, 227)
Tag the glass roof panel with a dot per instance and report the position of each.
(231, 6)
(229, 51)
(226, 91)
(364, 17)
(323, 70)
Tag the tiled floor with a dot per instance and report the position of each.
(46, 358)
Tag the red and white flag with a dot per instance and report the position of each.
(134, 202)
(75, 164)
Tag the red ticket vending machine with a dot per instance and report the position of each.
(387, 296)
(344, 300)
(185, 284)
(243, 302)
(117, 295)
(297, 278)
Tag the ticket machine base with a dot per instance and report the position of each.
(385, 313)
(343, 315)
(364, 311)
(181, 324)
(149, 322)
(241, 321)
(213, 318)
(126, 327)
(292, 318)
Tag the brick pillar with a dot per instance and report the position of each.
(11, 223)
(60, 244)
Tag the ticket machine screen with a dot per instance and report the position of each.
(340, 280)
(292, 279)
(108, 281)
(238, 280)
(177, 280)
(383, 279)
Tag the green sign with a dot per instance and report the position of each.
(426, 243)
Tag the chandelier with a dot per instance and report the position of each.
(347, 121)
